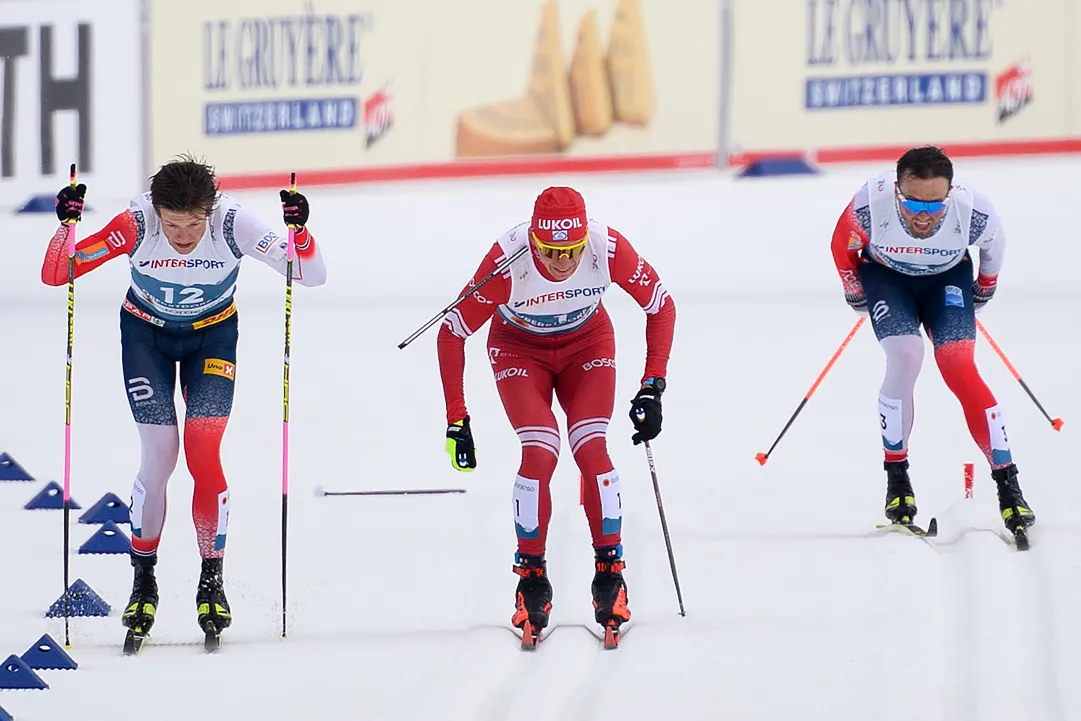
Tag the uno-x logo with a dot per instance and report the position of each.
(558, 223)
(511, 373)
(219, 367)
(880, 310)
(599, 363)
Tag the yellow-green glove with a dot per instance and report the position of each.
(463, 456)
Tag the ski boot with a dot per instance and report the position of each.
(533, 598)
(214, 614)
(900, 500)
(1016, 514)
(143, 604)
(610, 593)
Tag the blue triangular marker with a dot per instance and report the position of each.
(46, 654)
(771, 167)
(10, 470)
(5, 716)
(82, 601)
(108, 508)
(14, 673)
(51, 498)
(108, 539)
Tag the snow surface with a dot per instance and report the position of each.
(398, 607)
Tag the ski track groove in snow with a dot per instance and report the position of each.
(1034, 585)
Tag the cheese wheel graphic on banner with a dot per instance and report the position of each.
(513, 127)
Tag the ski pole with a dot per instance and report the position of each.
(320, 492)
(469, 291)
(664, 527)
(763, 457)
(1056, 423)
(67, 415)
(289, 255)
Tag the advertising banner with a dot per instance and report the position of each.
(70, 92)
(1074, 65)
(257, 87)
(850, 74)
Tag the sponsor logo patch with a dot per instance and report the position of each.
(219, 367)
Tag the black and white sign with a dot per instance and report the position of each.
(70, 92)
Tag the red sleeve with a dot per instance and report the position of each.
(849, 239)
(633, 274)
(462, 322)
(115, 239)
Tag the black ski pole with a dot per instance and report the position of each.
(472, 289)
(664, 527)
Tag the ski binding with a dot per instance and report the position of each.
(911, 529)
(133, 641)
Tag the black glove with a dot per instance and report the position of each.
(858, 302)
(463, 456)
(646, 411)
(69, 203)
(294, 209)
(983, 290)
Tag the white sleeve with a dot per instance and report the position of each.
(988, 234)
(254, 239)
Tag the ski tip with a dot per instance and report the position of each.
(1020, 537)
(932, 528)
(529, 639)
(212, 642)
(611, 638)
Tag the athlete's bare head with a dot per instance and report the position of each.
(924, 176)
(184, 192)
(559, 231)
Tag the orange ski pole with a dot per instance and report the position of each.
(1056, 423)
(763, 457)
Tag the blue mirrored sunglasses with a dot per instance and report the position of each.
(922, 206)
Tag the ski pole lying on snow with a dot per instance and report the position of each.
(320, 491)
(763, 457)
(1056, 423)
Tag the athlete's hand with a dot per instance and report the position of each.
(646, 414)
(983, 290)
(69, 203)
(463, 456)
(294, 209)
(858, 302)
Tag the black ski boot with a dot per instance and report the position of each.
(1016, 513)
(214, 614)
(143, 604)
(609, 589)
(533, 598)
(900, 500)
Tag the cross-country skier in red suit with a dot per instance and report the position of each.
(551, 334)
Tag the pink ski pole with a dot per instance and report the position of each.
(67, 415)
(290, 253)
